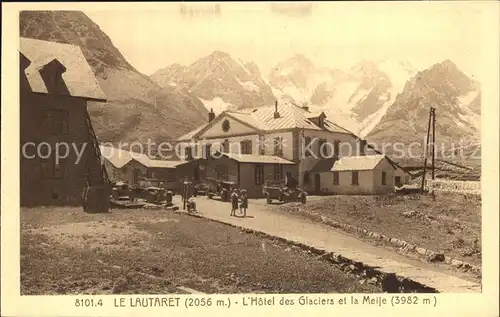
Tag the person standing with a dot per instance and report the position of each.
(244, 203)
(234, 202)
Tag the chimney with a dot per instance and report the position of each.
(276, 113)
(211, 115)
(362, 146)
(52, 77)
(306, 108)
(24, 63)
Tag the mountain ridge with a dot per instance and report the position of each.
(135, 102)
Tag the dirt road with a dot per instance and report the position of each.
(262, 218)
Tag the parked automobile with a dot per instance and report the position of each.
(202, 188)
(220, 188)
(277, 191)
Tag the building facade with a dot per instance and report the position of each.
(136, 169)
(59, 152)
(286, 131)
(359, 175)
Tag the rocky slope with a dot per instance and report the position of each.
(219, 81)
(443, 86)
(457, 100)
(137, 109)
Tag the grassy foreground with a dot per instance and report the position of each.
(65, 251)
(450, 224)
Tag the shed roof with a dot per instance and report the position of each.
(358, 163)
(259, 159)
(119, 158)
(78, 77)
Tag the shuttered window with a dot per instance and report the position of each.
(355, 180)
(335, 178)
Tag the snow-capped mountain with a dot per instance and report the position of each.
(219, 81)
(356, 98)
(296, 78)
(365, 93)
(457, 100)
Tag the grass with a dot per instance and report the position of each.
(65, 251)
(451, 224)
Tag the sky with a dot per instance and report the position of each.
(331, 34)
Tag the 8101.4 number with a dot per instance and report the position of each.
(88, 302)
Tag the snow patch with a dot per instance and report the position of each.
(248, 85)
(399, 72)
(243, 66)
(217, 104)
(467, 98)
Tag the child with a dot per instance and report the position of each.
(244, 203)
(234, 202)
(191, 204)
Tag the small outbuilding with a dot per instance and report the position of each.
(359, 175)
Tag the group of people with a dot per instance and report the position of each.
(239, 199)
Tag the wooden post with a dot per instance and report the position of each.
(184, 195)
(425, 152)
(433, 139)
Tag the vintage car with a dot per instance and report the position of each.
(278, 191)
(220, 188)
(135, 196)
(201, 188)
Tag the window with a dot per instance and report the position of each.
(355, 180)
(335, 178)
(262, 144)
(323, 149)
(307, 142)
(55, 122)
(246, 147)
(336, 148)
(225, 146)
(278, 172)
(259, 174)
(306, 178)
(208, 149)
(278, 146)
(150, 174)
(397, 181)
(194, 150)
(188, 153)
(384, 178)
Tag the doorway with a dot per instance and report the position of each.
(397, 181)
(317, 183)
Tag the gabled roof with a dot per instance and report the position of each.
(78, 77)
(259, 159)
(262, 118)
(358, 163)
(119, 158)
(191, 134)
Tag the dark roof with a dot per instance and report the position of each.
(324, 165)
(78, 77)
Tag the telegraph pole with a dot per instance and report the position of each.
(426, 149)
(433, 139)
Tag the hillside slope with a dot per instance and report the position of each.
(137, 109)
(219, 81)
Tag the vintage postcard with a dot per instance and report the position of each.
(285, 158)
